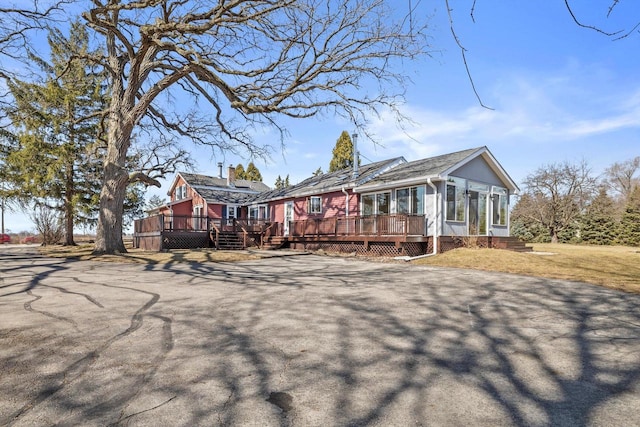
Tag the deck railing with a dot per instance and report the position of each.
(378, 225)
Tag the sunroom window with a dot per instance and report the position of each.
(455, 199)
(499, 205)
(376, 203)
(410, 201)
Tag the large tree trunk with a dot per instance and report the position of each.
(114, 186)
(68, 205)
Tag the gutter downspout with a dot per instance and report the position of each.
(346, 200)
(435, 226)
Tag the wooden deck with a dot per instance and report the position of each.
(385, 235)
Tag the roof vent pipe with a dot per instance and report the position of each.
(356, 155)
(219, 169)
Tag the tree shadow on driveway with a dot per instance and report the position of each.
(316, 341)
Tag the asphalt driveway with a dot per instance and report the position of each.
(309, 341)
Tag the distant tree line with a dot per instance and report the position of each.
(565, 202)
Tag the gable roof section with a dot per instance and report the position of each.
(198, 180)
(331, 181)
(436, 168)
(202, 182)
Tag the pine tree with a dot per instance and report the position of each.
(342, 153)
(599, 223)
(286, 183)
(279, 184)
(629, 231)
(240, 173)
(57, 161)
(318, 172)
(252, 173)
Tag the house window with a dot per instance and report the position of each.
(499, 201)
(368, 204)
(410, 201)
(232, 212)
(456, 188)
(376, 204)
(315, 205)
(181, 192)
(199, 222)
(258, 212)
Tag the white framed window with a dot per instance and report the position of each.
(376, 204)
(232, 211)
(499, 205)
(199, 222)
(456, 190)
(410, 200)
(315, 205)
(181, 192)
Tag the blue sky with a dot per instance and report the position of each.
(558, 92)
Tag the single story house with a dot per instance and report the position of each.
(389, 207)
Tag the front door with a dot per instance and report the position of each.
(288, 217)
(232, 215)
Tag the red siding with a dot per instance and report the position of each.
(333, 204)
(214, 211)
(182, 209)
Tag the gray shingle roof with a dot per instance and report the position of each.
(198, 180)
(222, 196)
(432, 166)
(332, 181)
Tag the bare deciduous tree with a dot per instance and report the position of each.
(621, 177)
(555, 196)
(248, 61)
(49, 223)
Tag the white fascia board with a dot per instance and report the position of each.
(396, 184)
(177, 202)
(173, 184)
(491, 162)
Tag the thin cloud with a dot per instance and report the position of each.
(526, 109)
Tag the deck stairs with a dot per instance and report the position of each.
(230, 241)
(275, 242)
(511, 244)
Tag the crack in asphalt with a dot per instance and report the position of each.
(80, 367)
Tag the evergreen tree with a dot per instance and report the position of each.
(286, 182)
(279, 184)
(154, 202)
(318, 172)
(252, 173)
(240, 173)
(342, 153)
(598, 223)
(629, 230)
(57, 160)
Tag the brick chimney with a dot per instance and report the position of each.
(231, 175)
